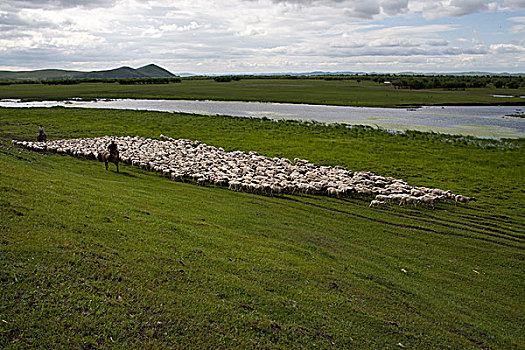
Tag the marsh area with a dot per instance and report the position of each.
(479, 121)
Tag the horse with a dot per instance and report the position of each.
(42, 137)
(111, 157)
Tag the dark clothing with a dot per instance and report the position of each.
(41, 137)
(112, 148)
(41, 134)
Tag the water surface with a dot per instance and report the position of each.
(481, 121)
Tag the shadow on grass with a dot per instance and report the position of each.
(126, 174)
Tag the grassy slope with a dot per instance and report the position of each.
(275, 90)
(98, 259)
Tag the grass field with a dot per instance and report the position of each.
(347, 92)
(97, 259)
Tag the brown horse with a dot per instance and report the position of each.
(42, 137)
(111, 157)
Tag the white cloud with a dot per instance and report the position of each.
(253, 35)
(513, 5)
(452, 8)
(363, 9)
(518, 28)
(506, 48)
(394, 7)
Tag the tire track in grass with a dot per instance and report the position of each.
(474, 221)
(476, 218)
(465, 227)
(432, 220)
(424, 229)
(515, 233)
(474, 215)
(461, 226)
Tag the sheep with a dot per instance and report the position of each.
(332, 191)
(429, 199)
(383, 198)
(376, 203)
(235, 185)
(276, 189)
(463, 199)
(180, 159)
(416, 192)
(439, 192)
(409, 200)
(397, 197)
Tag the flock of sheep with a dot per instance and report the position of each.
(181, 159)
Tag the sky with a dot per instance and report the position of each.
(265, 36)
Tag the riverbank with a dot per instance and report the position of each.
(479, 121)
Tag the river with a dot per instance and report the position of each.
(480, 121)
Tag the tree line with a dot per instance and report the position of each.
(447, 82)
(458, 82)
(399, 81)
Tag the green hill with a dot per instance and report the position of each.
(149, 71)
(94, 259)
(42, 74)
(154, 71)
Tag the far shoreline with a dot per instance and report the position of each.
(479, 122)
(170, 98)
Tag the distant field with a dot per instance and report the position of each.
(95, 259)
(346, 92)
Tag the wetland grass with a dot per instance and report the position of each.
(310, 91)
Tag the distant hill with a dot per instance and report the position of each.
(154, 71)
(149, 71)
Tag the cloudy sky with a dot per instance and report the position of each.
(264, 36)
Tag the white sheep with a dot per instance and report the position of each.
(383, 198)
(463, 199)
(409, 200)
(181, 159)
(376, 203)
(429, 199)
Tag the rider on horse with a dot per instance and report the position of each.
(42, 137)
(113, 149)
(111, 155)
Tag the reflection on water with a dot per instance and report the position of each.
(482, 121)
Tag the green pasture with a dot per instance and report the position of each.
(95, 259)
(313, 91)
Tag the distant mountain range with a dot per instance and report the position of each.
(349, 73)
(379, 73)
(149, 71)
(154, 71)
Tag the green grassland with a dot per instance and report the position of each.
(312, 91)
(97, 259)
